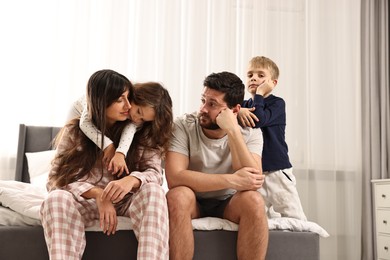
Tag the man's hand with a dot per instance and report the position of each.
(246, 117)
(247, 178)
(227, 120)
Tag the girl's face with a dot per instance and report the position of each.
(118, 110)
(139, 114)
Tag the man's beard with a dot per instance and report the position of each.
(209, 124)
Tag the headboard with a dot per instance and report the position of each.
(32, 139)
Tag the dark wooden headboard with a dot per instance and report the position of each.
(32, 139)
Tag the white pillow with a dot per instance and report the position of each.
(39, 165)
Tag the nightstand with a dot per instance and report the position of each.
(382, 217)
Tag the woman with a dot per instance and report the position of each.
(82, 190)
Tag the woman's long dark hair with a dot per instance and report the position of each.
(104, 87)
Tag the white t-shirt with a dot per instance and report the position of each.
(209, 155)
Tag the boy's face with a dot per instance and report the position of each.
(255, 77)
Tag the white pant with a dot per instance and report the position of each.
(279, 192)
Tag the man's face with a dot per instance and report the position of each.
(212, 104)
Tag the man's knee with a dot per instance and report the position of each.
(180, 199)
(249, 201)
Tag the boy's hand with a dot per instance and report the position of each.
(118, 164)
(265, 88)
(246, 117)
(108, 153)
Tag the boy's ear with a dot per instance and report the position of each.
(275, 81)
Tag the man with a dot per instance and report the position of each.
(213, 168)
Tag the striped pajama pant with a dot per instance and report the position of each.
(64, 220)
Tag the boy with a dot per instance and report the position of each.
(267, 112)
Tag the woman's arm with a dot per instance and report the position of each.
(150, 163)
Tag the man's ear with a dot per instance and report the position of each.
(236, 108)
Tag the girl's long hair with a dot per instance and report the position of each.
(76, 162)
(156, 134)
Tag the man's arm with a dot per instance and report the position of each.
(177, 173)
(241, 156)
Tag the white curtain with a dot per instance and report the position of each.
(49, 48)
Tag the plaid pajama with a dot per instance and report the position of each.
(65, 213)
(64, 220)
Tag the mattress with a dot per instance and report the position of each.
(21, 233)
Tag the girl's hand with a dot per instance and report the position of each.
(118, 164)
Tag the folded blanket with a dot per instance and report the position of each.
(26, 199)
(21, 197)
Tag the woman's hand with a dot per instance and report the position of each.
(116, 190)
(107, 216)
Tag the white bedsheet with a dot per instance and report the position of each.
(21, 203)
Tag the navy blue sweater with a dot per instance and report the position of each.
(271, 112)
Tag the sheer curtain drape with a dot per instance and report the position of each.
(50, 48)
(375, 109)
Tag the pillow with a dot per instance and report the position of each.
(39, 165)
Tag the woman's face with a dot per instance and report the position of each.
(139, 114)
(118, 110)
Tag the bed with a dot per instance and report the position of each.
(21, 235)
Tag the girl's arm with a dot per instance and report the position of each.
(117, 163)
(90, 130)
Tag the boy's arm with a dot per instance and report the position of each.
(273, 114)
(246, 117)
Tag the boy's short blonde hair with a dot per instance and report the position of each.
(264, 62)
